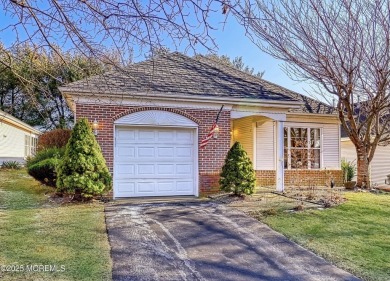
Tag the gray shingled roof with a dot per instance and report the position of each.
(178, 75)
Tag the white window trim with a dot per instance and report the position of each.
(30, 145)
(309, 146)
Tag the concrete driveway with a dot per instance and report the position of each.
(205, 241)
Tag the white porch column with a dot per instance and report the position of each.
(279, 155)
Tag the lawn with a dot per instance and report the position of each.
(355, 235)
(71, 240)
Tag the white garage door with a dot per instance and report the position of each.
(154, 161)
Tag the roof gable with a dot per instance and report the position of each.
(178, 75)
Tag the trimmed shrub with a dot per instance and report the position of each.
(44, 171)
(42, 166)
(55, 138)
(83, 171)
(12, 165)
(238, 175)
(53, 152)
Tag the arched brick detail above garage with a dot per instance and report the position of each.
(138, 109)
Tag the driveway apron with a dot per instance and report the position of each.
(205, 241)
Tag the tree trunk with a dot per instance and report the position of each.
(363, 174)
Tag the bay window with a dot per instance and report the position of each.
(302, 148)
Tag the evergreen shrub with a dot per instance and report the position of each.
(238, 175)
(83, 171)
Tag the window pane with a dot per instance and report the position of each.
(315, 138)
(285, 137)
(299, 158)
(299, 137)
(286, 158)
(315, 158)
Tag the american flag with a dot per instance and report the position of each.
(209, 136)
(214, 129)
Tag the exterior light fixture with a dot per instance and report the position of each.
(95, 127)
(216, 131)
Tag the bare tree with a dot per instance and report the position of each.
(129, 28)
(98, 29)
(344, 47)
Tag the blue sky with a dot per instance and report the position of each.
(231, 41)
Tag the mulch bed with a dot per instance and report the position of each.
(385, 188)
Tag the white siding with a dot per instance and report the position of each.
(380, 164)
(11, 141)
(348, 151)
(243, 133)
(265, 141)
(331, 146)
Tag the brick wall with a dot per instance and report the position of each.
(209, 183)
(211, 158)
(265, 177)
(302, 177)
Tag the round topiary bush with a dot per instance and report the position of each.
(83, 171)
(238, 175)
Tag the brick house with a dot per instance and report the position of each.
(152, 117)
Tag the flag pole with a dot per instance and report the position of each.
(216, 120)
(214, 129)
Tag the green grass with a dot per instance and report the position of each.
(355, 236)
(36, 232)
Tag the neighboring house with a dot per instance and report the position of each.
(17, 139)
(379, 166)
(152, 118)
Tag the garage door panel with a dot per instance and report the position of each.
(165, 136)
(125, 170)
(165, 186)
(125, 136)
(186, 137)
(184, 169)
(126, 153)
(146, 135)
(166, 169)
(156, 162)
(147, 151)
(146, 187)
(159, 177)
(185, 151)
(165, 152)
(184, 185)
(126, 187)
(146, 169)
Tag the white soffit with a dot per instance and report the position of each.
(236, 114)
(156, 118)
